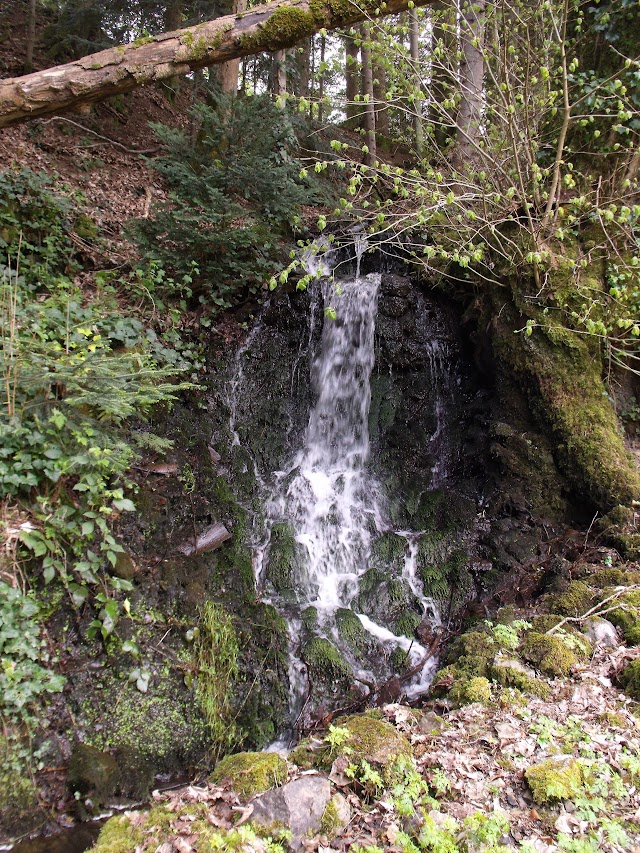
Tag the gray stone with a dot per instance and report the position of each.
(298, 805)
(601, 632)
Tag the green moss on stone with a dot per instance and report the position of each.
(468, 691)
(118, 835)
(630, 679)
(281, 570)
(574, 601)
(554, 780)
(351, 631)
(310, 618)
(333, 821)
(548, 653)
(251, 773)
(325, 661)
(509, 676)
(376, 742)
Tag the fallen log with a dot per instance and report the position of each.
(118, 70)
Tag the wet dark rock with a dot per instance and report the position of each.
(93, 773)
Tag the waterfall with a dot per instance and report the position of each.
(333, 502)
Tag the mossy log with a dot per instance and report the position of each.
(118, 70)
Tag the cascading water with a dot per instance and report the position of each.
(333, 503)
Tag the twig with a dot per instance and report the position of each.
(596, 610)
(104, 138)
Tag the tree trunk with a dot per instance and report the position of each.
(279, 24)
(302, 64)
(323, 47)
(414, 47)
(280, 73)
(229, 71)
(173, 15)
(443, 75)
(468, 132)
(31, 37)
(367, 90)
(352, 79)
(379, 91)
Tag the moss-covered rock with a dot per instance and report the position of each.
(283, 565)
(352, 632)
(630, 679)
(374, 741)
(548, 653)
(325, 662)
(335, 817)
(562, 371)
(466, 691)
(512, 674)
(93, 772)
(574, 601)
(251, 773)
(118, 835)
(555, 779)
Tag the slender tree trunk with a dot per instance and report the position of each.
(173, 16)
(443, 75)
(323, 47)
(229, 71)
(380, 95)
(414, 47)
(117, 70)
(31, 37)
(367, 90)
(303, 61)
(352, 80)
(469, 130)
(280, 73)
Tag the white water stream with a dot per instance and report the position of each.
(331, 499)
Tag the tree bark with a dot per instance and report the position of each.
(352, 80)
(280, 73)
(367, 91)
(230, 71)
(379, 88)
(323, 47)
(173, 15)
(31, 37)
(117, 70)
(468, 132)
(414, 48)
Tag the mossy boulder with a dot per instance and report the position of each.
(93, 772)
(353, 634)
(118, 835)
(375, 741)
(511, 673)
(548, 653)
(283, 566)
(630, 679)
(251, 773)
(576, 600)
(326, 664)
(335, 817)
(555, 779)
(467, 691)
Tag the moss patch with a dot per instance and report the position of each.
(468, 691)
(548, 653)
(574, 601)
(553, 780)
(376, 742)
(325, 661)
(118, 835)
(251, 772)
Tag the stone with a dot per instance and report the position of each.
(601, 632)
(93, 772)
(250, 772)
(124, 568)
(298, 806)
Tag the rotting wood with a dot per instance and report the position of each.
(118, 70)
(212, 538)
